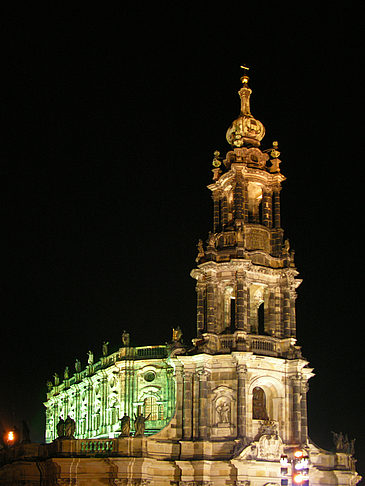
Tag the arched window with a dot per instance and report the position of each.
(151, 408)
(259, 411)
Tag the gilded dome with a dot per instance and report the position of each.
(245, 130)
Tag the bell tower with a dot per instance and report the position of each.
(246, 276)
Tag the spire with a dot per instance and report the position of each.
(245, 130)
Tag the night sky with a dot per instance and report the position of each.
(109, 121)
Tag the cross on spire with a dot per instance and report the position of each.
(245, 77)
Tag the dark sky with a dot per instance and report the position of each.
(109, 121)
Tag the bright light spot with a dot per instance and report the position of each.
(11, 436)
(283, 460)
(298, 454)
(303, 464)
(299, 478)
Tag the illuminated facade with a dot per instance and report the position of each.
(232, 410)
(118, 384)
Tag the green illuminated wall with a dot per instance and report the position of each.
(101, 394)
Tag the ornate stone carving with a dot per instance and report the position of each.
(270, 448)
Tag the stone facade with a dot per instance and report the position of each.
(232, 409)
(119, 384)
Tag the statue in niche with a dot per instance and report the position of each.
(125, 426)
(77, 366)
(90, 359)
(105, 348)
(60, 427)
(125, 338)
(259, 411)
(139, 423)
(223, 410)
(69, 428)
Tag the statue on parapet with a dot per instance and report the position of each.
(125, 426)
(105, 348)
(139, 423)
(177, 334)
(343, 444)
(201, 252)
(66, 373)
(90, 359)
(77, 366)
(60, 427)
(70, 427)
(125, 339)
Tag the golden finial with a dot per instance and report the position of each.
(245, 77)
(216, 162)
(274, 151)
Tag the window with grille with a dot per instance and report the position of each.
(151, 407)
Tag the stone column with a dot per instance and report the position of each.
(77, 411)
(200, 307)
(216, 212)
(224, 210)
(267, 208)
(303, 406)
(245, 203)
(240, 302)
(195, 406)
(293, 296)
(238, 201)
(278, 326)
(202, 404)
(210, 296)
(246, 310)
(296, 409)
(286, 313)
(277, 220)
(104, 402)
(241, 401)
(271, 314)
(179, 394)
(89, 409)
(188, 405)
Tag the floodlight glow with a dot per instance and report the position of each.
(299, 478)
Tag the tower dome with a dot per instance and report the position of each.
(245, 130)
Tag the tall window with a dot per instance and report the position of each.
(151, 408)
(261, 319)
(259, 411)
(233, 314)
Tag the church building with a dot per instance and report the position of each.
(228, 409)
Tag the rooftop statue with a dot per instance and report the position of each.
(125, 338)
(105, 348)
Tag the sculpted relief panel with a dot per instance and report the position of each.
(223, 412)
